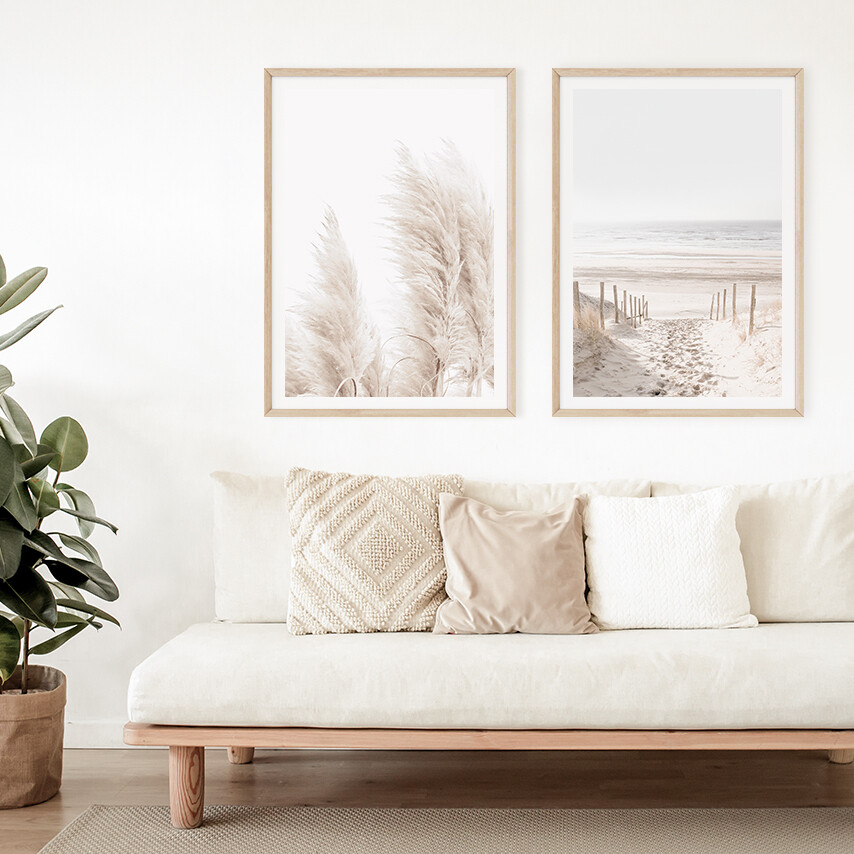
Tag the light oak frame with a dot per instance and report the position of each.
(798, 75)
(510, 74)
(186, 746)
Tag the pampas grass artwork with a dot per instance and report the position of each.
(439, 235)
(332, 345)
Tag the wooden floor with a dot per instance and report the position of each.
(434, 779)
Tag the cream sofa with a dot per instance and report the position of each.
(243, 681)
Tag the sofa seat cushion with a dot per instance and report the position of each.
(792, 675)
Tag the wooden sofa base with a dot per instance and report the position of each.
(187, 743)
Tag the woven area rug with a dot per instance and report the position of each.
(253, 830)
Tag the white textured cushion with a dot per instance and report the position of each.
(367, 551)
(542, 497)
(251, 548)
(797, 539)
(667, 563)
(778, 675)
(252, 543)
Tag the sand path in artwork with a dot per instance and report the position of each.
(677, 357)
(678, 352)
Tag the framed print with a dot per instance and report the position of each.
(678, 242)
(389, 241)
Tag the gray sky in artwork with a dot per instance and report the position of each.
(676, 154)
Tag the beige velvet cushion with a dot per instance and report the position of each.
(367, 552)
(512, 571)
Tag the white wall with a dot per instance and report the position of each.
(131, 155)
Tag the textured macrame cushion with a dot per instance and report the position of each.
(666, 563)
(367, 552)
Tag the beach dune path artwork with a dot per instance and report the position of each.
(678, 253)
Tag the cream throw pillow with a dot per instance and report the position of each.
(512, 571)
(366, 553)
(666, 563)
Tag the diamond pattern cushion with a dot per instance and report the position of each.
(666, 563)
(367, 552)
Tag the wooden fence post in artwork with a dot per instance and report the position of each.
(645, 309)
(734, 311)
(718, 312)
(625, 308)
(616, 307)
(723, 314)
(712, 309)
(576, 304)
(752, 307)
(602, 304)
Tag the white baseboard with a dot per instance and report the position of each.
(94, 733)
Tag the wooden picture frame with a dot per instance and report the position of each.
(479, 377)
(598, 392)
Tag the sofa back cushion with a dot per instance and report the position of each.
(542, 497)
(252, 545)
(797, 540)
(251, 548)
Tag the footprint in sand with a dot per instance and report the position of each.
(676, 352)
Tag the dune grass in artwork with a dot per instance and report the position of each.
(440, 237)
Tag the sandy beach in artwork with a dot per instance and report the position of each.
(684, 338)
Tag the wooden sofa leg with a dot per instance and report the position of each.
(841, 757)
(241, 755)
(186, 785)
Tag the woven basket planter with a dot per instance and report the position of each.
(31, 733)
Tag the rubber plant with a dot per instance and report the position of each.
(44, 572)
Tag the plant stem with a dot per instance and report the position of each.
(25, 667)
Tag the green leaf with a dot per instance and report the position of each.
(64, 620)
(79, 545)
(85, 575)
(25, 328)
(94, 519)
(86, 608)
(26, 594)
(7, 470)
(47, 501)
(74, 571)
(68, 440)
(6, 380)
(24, 427)
(65, 591)
(82, 503)
(11, 542)
(16, 621)
(18, 503)
(37, 464)
(2, 271)
(10, 648)
(57, 641)
(16, 290)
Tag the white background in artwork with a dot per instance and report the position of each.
(132, 164)
(653, 152)
(334, 144)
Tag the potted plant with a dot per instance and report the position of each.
(44, 571)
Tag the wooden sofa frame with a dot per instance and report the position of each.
(187, 746)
